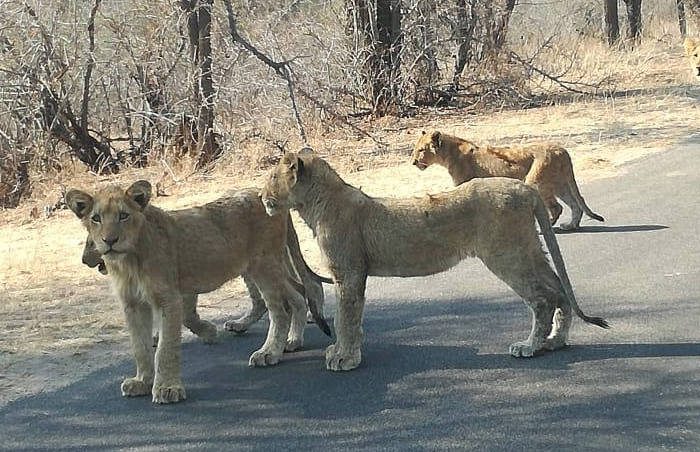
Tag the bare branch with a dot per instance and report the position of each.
(90, 64)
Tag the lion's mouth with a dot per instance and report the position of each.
(420, 165)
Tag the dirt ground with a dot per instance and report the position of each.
(58, 319)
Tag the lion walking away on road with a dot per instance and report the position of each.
(545, 166)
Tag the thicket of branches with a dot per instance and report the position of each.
(115, 83)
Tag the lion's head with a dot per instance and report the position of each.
(113, 217)
(427, 150)
(92, 258)
(280, 184)
(692, 51)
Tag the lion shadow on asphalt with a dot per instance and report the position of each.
(601, 228)
(409, 341)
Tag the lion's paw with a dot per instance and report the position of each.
(554, 343)
(236, 326)
(208, 333)
(293, 345)
(134, 387)
(337, 360)
(169, 394)
(263, 358)
(521, 350)
(568, 227)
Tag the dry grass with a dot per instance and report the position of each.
(53, 305)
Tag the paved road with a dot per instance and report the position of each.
(436, 373)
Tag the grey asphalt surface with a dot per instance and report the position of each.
(435, 371)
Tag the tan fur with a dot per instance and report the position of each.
(492, 219)
(159, 261)
(692, 52)
(92, 258)
(545, 166)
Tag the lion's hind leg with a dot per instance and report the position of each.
(534, 283)
(560, 328)
(297, 307)
(536, 177)
(205, 330)
(576, 211)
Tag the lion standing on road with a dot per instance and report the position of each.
(546, 166)
(160, 261)
(360, 236)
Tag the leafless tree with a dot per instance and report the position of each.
(612, 22)
(634, 19)
(199, 31)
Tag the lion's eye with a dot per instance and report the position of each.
(96, 218)
(123, 216)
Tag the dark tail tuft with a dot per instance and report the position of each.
(321, 323)
(598, 321)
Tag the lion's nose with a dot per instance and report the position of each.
(415, 162)
(110, 241)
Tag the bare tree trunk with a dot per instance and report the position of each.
(634, 19)
(682, 26)
(466, 21)
(199, 30)
(375, 27)
(612, 22)
(425, 72)
(386, 57)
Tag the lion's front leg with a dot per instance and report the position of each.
(139, 321)
(345, 354)
(167, 385)
(203, 329)
(270, 281)
(258, 308)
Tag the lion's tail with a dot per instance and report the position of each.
(310, 285)
(550, 240)
(576, 194)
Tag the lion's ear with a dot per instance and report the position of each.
(689, 44)
(79, 202)
(296, 166)
(140, 193)
(436, 138)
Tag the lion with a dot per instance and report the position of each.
(159, 261)
(692, 51)
(546, 166)
(360, 236)
(92, 258)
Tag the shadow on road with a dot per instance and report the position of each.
(414, 359)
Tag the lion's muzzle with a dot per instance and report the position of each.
(420, 165)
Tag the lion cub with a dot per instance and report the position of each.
(159, 261)
(545, 166)
(692, 51)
